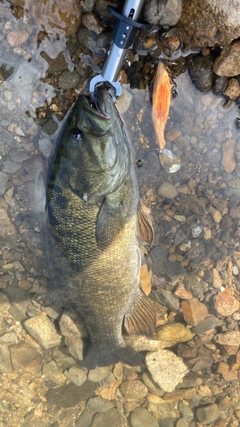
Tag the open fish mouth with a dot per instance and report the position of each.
(94, 103)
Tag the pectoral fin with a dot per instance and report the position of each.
(142, 319)
(145, 225)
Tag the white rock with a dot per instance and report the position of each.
(166, 368)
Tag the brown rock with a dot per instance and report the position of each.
(235, 212)
(225, 303)
(195, 204)
(109, 393)
(16, 38)
(90, 21)
(194, 311)
(228, 62)
(145, 279)
(133, 389)
(173, 134)
(228, 338)
(174, 332)
(233, 89)
(228, 160)
(228, 375)
(25, 357)
(182, 292)
(217, 281)
(7, 229)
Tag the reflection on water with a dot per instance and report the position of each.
(195, 254)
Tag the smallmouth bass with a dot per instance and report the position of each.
(94, 216)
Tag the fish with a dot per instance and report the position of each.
(161, 103)
(94, 218)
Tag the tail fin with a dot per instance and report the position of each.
(98, 357)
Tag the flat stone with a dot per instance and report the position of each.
(5, 359)
(228, 338)
(69, 80)
(134, 389)
(143, 343)
(97, 404)
(43, 331)
(75, 346)
(195, 204)
(111, 418)
(225, 303)
(228, 62)
(25, 357)
(217, 281)
(85, 420)
(124, 101)
(71, 325)
(162, 410)
(4, 303)
(235, 212)
(174, 333)
(45, 146)
(141, 417)
(3, 183)
(166, 368)
(194, 311)
(16, 38)
(76, 375)
(63, 358)
(208, 414)
(69, 395)
(165, 298)
(207, 324)
(181, 292)
(98, 374)
(233, 89)
(168, 190)
(52, 373)
(228, 155)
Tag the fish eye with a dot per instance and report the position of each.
(77, 135)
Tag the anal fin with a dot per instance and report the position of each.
(142, 319)
(145, 225)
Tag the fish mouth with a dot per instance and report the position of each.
(94, 103)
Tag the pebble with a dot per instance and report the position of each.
(97, 404)
(168, 190)
(53, 374)
(45, 146)
(235, 212)
(133, 389)
(233, 89)
(208, 414)
(3, 183)
(195, 204)
(225, 303)
(70, 395)
(43, 331)
(216, 215)
(109, 418)
(228, 155)
(166, 298)
(75, 346)
(216, 278)
(162, 410)
(71, 325)
(166, 368)
(16, 38)
(90, 21)
(194, 311)
(228, 338)
(76, 375)
(25, 357)
(182, 293)
(5, 359)
(69, 80)
(143, 343)
(4, 303)
(207, 324)
(98, 374)
(141, 417)
(124, 101)
(227, 63)
(174, 332)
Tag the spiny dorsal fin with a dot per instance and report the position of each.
(145, 225)
(142, 319)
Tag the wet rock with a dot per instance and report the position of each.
(233, 89)
(228, 338)
(9, 338)
(162, 410)
(214, 22)
(71, 325)
(69, 80)
(88, 5)
(162, 266)
(124, 101)
(7, 229)
(172, 12)
(76, 375)
(57, 64)
(133, 389)
(203, 360)
(43, 331)
(85, 420)
(200, 71)
(208, 414)
(75, 347)
(235, 212)
(108, 391)
(89, 41)
(228, 155)
(11, 166)
(16, 38)
(152, 386)
(182, 422)
(142, 343)
(90, 21)
(168, 190)
(195, 204)
(25, 357)
(68, 396)
(166, 369)
(141, 417)
(111, 418)
(153, 11)
(97, 404)
(182, 293)
(186, 411)
(63, 359)
(174, 333)
(3, 183)
(227, 373)
(4, 303)
(98, 374)
(53, 374)
(216, 278)
(216, 215)
(194, 311)
(45, 146)
(5, 359)
(228, 62)
(196, 286)
(207, 324)
(50, 127)
(165, 298)
(225, 303)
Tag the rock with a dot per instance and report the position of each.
(145, 279)
(25, 357)
(182, 293)
(207, 324)
(16, 38)
(7, 229)
(195, 204)
(75, 347)
(109, 392)
(182, 422)
(228, 338)
(225, 303)
(45, 146)
(233, 89)
(210, 23)
(161, 266)
(141, 417)
(142, 343)
(208, 414)
(216, 278)
(43, 331)
(228, 62)
(97, 404)
(3, 183)
(69, 80)
(216, 215)
(200, 71)
(151, 385)
(63, 358)
(226, 372)
(98, 374)
(124, 101)
(134, 389)
(153, 11)
(228, 155)
(92, 23)
(89, 40)
(172, 12)
(162, 410)
(50, 127)
(109, 418)
(85, 420)
(4, 303)
(186, 411)
(168, 190)
(9, 338)
(71, 325)
(53, 374)
(166, 369)
(5, 359)
(76, 375)
(235, 212)
(194, 311)
(70, 395)
(165, 298)
(174, 333)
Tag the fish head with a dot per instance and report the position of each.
(97, 148)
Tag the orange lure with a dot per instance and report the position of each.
(161, 103)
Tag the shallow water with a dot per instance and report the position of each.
(196, 214)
